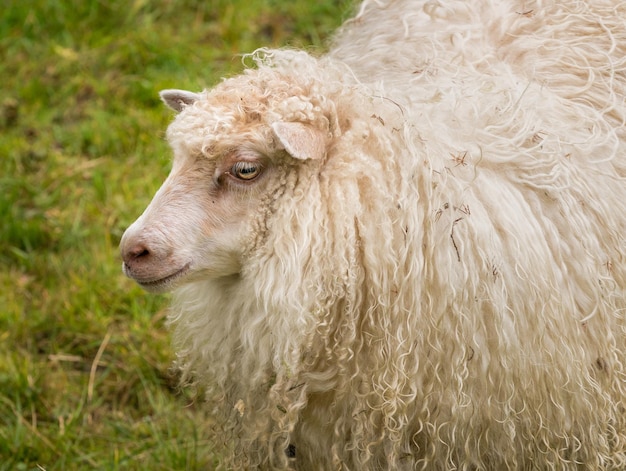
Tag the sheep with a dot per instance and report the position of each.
(407, 253)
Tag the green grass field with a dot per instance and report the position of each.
(85, 379)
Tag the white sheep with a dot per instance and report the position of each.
(408, 253)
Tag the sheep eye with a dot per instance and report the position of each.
(245, 170)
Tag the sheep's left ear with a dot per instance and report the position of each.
(300, 140)
(178, 99)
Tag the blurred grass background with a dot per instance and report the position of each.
(85, 380)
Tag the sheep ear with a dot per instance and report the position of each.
(178, 99)
(300, 140)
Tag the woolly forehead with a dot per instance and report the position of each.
(240, 110)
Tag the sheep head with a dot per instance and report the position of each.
(229, 144)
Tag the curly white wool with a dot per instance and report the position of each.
(446, 287)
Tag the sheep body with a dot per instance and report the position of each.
(433, 277)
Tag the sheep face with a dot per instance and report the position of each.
(194, 223)
(226, 158)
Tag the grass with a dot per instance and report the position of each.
(85, 378)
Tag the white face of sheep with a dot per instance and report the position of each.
(197, 223)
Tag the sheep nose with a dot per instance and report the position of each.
(136, 252)
(136, 256)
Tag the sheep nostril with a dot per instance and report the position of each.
(136, 253)
(143, 253)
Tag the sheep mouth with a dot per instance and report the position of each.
(165, 283)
